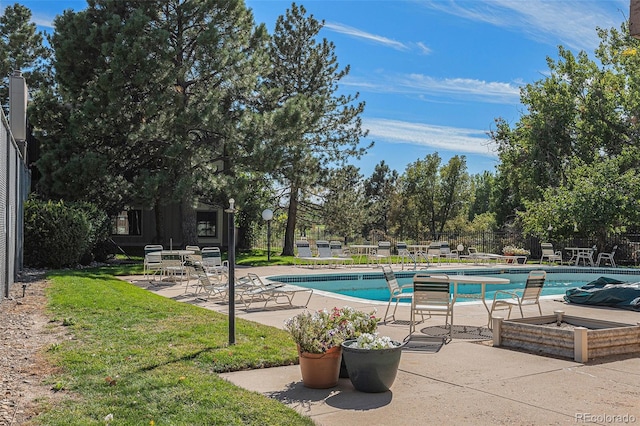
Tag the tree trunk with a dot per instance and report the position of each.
(287, 250)
(189, 228)
(159, 214)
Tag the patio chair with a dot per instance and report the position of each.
(433, 251)
(607, 257)
(383, 252)
(213, 264)
(206, 287)
(304, 255)
(173, 266)
(549, 254)
(325, 254)
(395, 291)
(432, 295)
(338, 251)
(152, 264)
(256, 290)
(446, 252)
(530, 295)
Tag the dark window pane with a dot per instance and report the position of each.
(127, 222)
(207, 224)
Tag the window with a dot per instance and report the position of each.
(207, 222)
(127, 222)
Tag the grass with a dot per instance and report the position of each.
(146, 359)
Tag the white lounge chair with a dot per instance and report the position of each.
(325, 254)
(304, 255)
(255, 290)
(382, 253)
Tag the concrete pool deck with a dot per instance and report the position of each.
(466, 381)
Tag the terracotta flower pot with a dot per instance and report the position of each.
(320, 371)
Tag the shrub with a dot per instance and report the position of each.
(98, 245)
(55, 235)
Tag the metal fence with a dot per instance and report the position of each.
(627, 253)
(14, 189)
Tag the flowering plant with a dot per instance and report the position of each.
(513, 250)
(319, 331)
(372, 341)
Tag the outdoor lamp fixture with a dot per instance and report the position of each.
(550, 228)
(267, 214)
(231, 237)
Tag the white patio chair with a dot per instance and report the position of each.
(530, 295)
(607, 257)
(395, 291)
(152, 264)
(549, 254)
(383, 252)
(432, 295)
(213, 264)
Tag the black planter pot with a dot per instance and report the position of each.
(372, 370)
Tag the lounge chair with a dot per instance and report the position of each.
(304, 255)
(338, 251)
(383, 252)
(205, 287)
(432, 295)
(607, 257)
(530, 295)
(433, 251)
(446, 252)
(395, 291)
(256, 290)
(549, 254)
(325, 254)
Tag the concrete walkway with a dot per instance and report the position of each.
(466, 381)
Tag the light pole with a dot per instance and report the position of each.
(231, 241)
(267, 214)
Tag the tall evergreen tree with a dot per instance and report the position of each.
(315, 127)
(379, 190)
(21, 49)
(160, 94)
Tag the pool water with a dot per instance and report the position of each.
(372, 286)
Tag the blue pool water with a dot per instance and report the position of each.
(372, 285)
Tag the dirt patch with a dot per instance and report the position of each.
(27, 334)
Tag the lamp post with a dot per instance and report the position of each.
(231, 239)
(267, 214)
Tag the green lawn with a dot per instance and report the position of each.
(146, 359)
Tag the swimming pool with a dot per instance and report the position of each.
(372, 285)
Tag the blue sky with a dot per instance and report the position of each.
(434, 73)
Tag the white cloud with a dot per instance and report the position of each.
(453, 88)
(573, 22)
(469, 141)
(354, 32)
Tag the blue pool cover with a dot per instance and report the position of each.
(606, 292)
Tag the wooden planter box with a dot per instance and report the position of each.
(567, 336)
